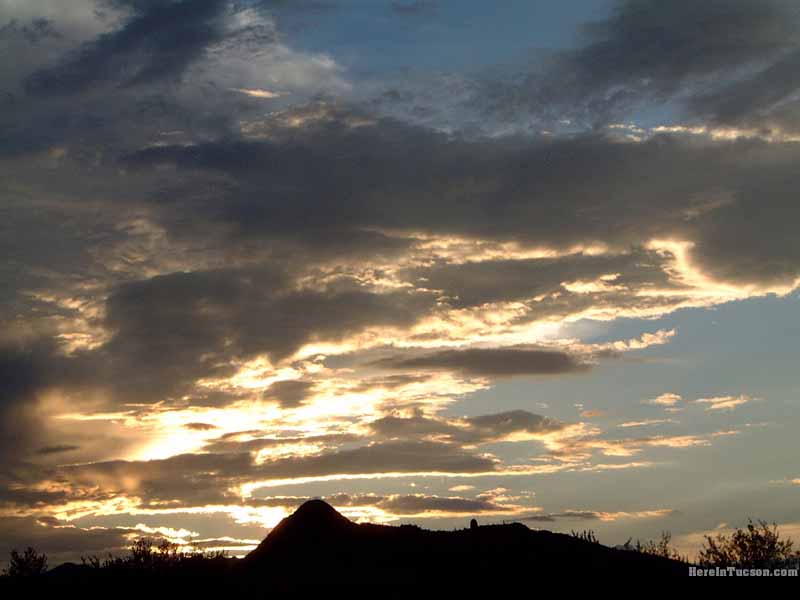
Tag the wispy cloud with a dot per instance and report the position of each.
(724, 402)
(666, 399)
(258, 93)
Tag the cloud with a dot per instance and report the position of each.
(201, 321)
(491, 362)
(724, 402)
(331, 284)
(385, 457)
(189, 273)
(758, 101)
(574, 447)
(591, 515)
(159, 42)
(555, 217)
(57, 449)
(420, 505)
(28, 371)
(19, 533)
(667, 44)
(646, 422)
(665, 399)
(210, 479)
(461, 488)
(200, 426)
(475, 282)
(416, 504)
(289, 393)
(647, 51)
(257, 93)
(516, 424)
(593, 413)
(62, 541)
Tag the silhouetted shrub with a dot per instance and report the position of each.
(759, 545)
(28, 564)
(663, 547)
(587, 535)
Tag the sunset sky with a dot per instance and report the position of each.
(428, 260)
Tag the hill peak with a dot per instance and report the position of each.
(314, 522)
(315, 516)
(317, 510)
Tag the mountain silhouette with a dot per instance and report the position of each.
(314, 524)
(317, 546)
(316, 549)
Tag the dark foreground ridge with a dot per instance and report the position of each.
(316, 547)
(317, 539)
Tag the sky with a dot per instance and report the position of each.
(428, 260)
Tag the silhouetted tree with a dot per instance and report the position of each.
(759, 545)
(28, 564)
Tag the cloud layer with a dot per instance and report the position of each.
(235, 263)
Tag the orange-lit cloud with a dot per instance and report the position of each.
(724, 402)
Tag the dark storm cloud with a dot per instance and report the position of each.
(760, 100)
(662, 44)
(32, 32)
(159, 42)
(25, 372)
(491, 362)
(399, 169)
(173, 329)
(557, 193)
(649, 50)
(278, 184)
